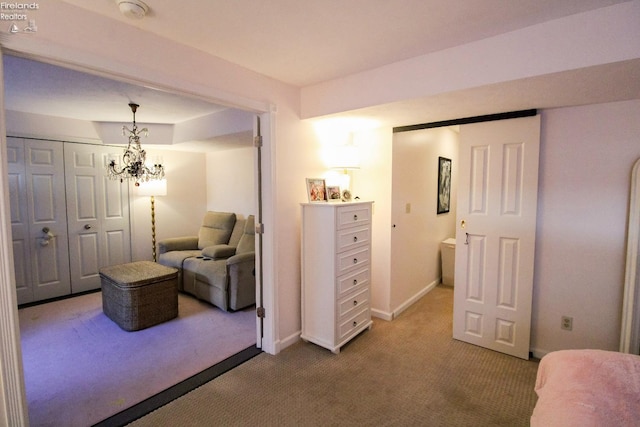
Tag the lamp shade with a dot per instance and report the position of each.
(153, 187)
(346, 157)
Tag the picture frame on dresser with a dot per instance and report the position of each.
(316, 190)
(333, 194)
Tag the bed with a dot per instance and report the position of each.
(587, 388)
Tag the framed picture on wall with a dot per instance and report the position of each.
(316, 190)
(444, 185)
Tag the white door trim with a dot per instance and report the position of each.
(13, 406)
(630, 331)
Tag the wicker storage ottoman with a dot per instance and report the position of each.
(140, 294)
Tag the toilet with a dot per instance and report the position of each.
(448, 252)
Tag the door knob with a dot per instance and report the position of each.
(87, 227)
(48, 235)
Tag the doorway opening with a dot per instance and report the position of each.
(493, 262)
(257, 201)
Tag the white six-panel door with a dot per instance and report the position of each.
(495, 236)
(39, 227)
(19, 219)
(98, 215)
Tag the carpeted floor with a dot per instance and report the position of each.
(81, 368)
(406, 372)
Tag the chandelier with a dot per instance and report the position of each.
(133, 160)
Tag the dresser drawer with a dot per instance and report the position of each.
(350, 260)
(354, 323)
(352, 237)
(350, 216)
(352, 303)
(352, 281)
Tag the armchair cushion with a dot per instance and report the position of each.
(176, 258)
(238, 231)
(216, 228)
(219, 251)
(247, 241)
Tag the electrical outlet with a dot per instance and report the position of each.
(566, 323)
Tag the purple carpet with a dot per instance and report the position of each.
(81, 368)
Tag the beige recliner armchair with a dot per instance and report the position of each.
(218, 265)
(216, 229)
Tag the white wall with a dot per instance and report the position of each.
(180, 212)
(373, 182)
(586, 158)
(417, 229)
(230, 181)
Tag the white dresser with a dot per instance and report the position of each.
(336, 272)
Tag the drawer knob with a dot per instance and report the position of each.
(355, 238)
(355, 282)
(355, 260)
(355, 217)
(355, 303)
(355, 323)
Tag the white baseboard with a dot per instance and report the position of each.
(408, 303)
(288, 341)
(384, 315)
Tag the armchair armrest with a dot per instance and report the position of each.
(178, 244)
(219, 251)
(241, 258)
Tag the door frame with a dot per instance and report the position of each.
(13, 405)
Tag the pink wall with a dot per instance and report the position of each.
(586, 158)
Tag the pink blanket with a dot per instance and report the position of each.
(587, 388)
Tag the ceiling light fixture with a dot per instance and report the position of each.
(133, 159)
(134, 9)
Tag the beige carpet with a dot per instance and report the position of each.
(406, 372)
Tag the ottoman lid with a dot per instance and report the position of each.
(138, 273)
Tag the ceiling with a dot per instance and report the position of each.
(307, 42)
(35, 87)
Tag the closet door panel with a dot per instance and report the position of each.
(115, 224)
(93, 202)
(44, 167)
(19, 219)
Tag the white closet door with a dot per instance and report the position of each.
(46, 209)
(19, 219)
(98, 215)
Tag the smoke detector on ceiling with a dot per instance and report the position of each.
(134, 9)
